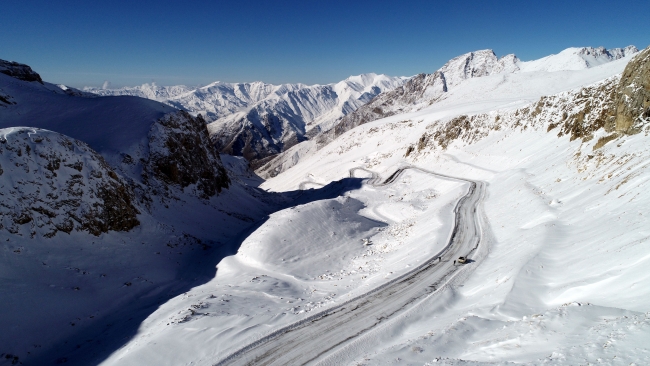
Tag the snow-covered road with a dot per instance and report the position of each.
(320, 335)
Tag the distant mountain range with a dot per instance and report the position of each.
(257, 120)
(424, 90)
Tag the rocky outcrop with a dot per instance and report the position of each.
(181, 154)
(19, 71)
(50, 183)
(633, 95)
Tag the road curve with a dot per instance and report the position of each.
(317, 336)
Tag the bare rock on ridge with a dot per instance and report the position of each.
(633, 95)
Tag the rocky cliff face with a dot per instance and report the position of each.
(19, 71)
(293, 113)
(633, 93)
(50, 183)
(181, 154)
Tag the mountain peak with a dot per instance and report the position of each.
(476, 64)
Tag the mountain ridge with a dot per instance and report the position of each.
(423, 90)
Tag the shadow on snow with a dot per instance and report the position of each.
(92, 345)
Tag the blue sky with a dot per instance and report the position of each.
(84, 43)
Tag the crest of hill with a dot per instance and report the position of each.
(424, 90)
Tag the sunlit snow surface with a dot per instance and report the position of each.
(565, 281)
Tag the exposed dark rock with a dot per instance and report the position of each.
(633, 95)
(5, 99)
(19, 71)
(181, 154)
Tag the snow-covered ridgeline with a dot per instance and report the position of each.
(424, 90)
(256, 119)
(565, 281)
(454, 77)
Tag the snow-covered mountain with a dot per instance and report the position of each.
(560, 271)
(257, 120)
(426, 89)
(149, 91)
(558, 274)
(105, 204)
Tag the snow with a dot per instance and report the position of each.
(577, 58)
(564, 281)
(273, 282)
(564, 230)
(110, 125)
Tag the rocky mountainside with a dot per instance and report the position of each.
(106, 154)
(257, 120)
(595, 114)
(108, 205)
(51, 183)
(424, 90)
(181, 155)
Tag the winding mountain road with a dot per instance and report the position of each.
(322, 334)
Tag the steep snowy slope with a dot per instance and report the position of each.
(565, 281)
(98, 226)
(577, 58)
(426, 89)
(565, 278)
(256, 120)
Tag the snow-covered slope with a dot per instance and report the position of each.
(577, 58)
(565, 277)
(126, 205)
(426, 89)
(256, 120)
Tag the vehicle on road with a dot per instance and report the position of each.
(462, 260)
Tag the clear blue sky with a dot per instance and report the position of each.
(84, 43)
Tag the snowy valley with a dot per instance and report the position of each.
(128, 240)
